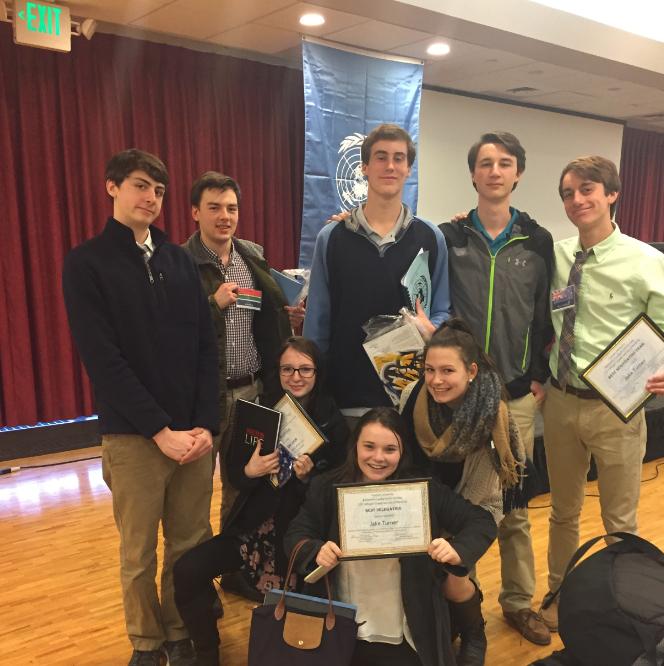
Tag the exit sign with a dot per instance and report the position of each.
(42, 24)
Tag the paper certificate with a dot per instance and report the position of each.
(417, 282)
(620, 372)
(387, 519)
(297, 433)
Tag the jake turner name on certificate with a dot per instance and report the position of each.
(384, 519)
(620, 372)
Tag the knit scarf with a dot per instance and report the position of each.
(483, 419)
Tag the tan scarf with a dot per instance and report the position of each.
(504, 436)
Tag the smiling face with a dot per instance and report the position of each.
(387, 169)
(587, 204)
(378, 452)
(217, 215)
(446, 375)
(495, 174)
(298, 385)
(136, 200)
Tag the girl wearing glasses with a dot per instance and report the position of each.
(250, 546)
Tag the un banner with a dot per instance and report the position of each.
(345, 96)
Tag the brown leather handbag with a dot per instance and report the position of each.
(282, 636)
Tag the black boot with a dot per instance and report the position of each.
(467, 617)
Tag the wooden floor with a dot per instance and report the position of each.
(60, 594)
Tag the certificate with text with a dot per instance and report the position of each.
(386, 519)
(298, 434)
(620, 372)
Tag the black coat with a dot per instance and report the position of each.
(144, 335)
(473, 531)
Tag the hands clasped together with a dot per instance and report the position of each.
(184, 446)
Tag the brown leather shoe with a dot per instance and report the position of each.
(550, 615)
(529, 624)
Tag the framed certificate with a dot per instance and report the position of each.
(386, 519)
(298, 434)
(619, 373)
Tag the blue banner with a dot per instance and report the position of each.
(345, 96)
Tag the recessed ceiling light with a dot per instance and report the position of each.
(311, 19)
(438, 49)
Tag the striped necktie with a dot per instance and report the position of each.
(569, 317)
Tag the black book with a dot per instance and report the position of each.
(255, 424)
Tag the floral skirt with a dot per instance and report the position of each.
(258, 551)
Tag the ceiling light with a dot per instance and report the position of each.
(311, 20)
(438, 49)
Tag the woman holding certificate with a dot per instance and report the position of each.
(272, 488)
(401, 600)
(467, 439)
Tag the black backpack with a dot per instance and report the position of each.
(611, 609)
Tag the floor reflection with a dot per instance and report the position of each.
(31, 491)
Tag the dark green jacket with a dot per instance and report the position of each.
(271, 326)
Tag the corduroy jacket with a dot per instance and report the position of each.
(271, 326)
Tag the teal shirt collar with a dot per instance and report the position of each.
(502, 238)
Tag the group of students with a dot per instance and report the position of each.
(158, 349)
(450, 419)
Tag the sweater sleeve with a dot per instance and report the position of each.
(207, 413)
(310, 523)
(317, 317)
(440, 282)
(114, 380)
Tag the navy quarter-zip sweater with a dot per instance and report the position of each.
(143, 333)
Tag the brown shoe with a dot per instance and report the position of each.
(550, 615)
(529, 624)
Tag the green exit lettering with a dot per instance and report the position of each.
(42, 18)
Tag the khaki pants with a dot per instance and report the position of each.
(148, 488)
(228, 492)
(573, 430)
(517, 561)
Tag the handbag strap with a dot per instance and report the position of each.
(639, 544)
(280, 608)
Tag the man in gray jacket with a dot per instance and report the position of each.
(500, 263)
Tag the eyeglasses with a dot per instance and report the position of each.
(306, 371)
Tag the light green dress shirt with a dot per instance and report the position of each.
(621, 278)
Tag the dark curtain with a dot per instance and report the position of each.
(61, 117)
(641, 203)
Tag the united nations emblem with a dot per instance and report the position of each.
(351, 183)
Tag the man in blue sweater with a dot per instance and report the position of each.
(357, 269)
(141, 323)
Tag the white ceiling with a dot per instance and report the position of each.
(483, 60)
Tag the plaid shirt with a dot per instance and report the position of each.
(242, 356)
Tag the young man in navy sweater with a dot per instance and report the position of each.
(357, 268)
(141, 323)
